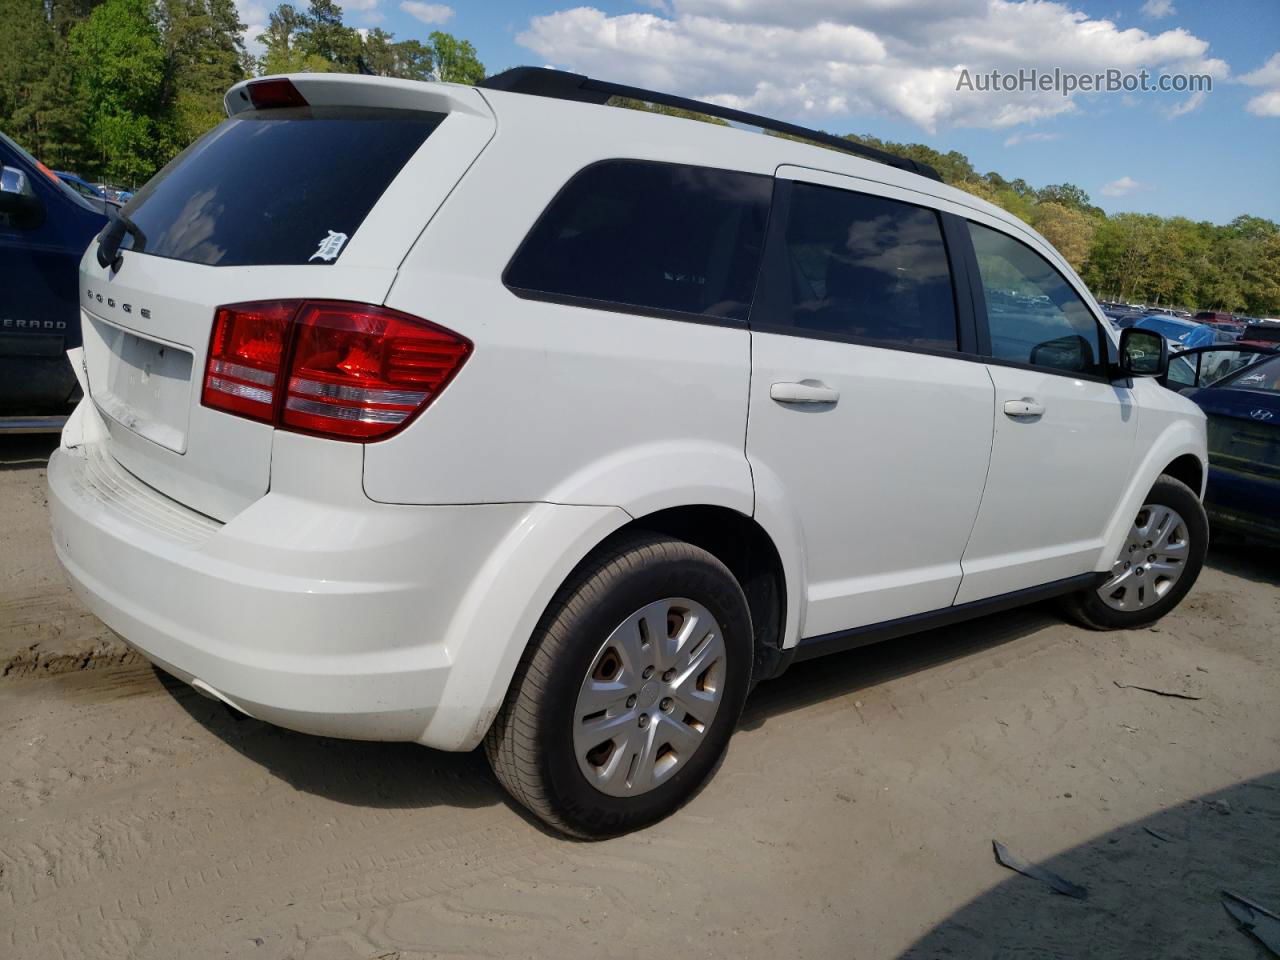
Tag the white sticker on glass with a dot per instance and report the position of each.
(330, 247)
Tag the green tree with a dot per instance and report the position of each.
(325, 36)
(38, 101)
(412, 60)
(120, 61)
(285, 51)
(204, 56)
(454, 60)
(1067, 228)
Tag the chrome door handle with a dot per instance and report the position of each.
(803, 391)
(1026, 407)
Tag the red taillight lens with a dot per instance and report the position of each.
(276, 92)
(362, 372)
(245, 353)
(354, 371)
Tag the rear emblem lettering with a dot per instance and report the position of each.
(146, 313)
(330, 247)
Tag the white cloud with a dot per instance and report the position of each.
(816, 58)
(1188, 105)
(662, 6)
(1267, 103)
(359, 4)
(1018, 138)
(253, 15)
(427, 12)
(1123, 187)
(1155, 9)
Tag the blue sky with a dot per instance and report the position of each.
(889, 68)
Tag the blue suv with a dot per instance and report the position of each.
(45, 226)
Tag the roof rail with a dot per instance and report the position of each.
(562, 85)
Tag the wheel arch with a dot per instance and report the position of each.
(745, 547)
(1180, 451)
(1188, 469)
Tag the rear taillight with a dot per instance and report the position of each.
(244, 357)
(344, 370)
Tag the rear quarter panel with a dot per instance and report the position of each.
(561, 404)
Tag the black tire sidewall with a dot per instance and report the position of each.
(1170, 493)
(586, 627)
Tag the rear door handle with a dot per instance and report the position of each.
(803, 391)
(1026, 407)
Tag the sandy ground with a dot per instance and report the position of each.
(852, 818)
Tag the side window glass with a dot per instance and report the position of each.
(867, 268)
(1034, 315)
(663, 236)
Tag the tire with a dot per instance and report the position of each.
(1092, 609)
(533, 745)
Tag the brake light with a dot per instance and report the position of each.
(276, 92)
(342, 370)
(244, 357)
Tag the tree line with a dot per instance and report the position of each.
(1132, 257)
(113, 89)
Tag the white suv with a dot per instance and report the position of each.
(495, 414)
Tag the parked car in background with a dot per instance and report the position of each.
(118, 195)
(1181, 334)
(86, 189)
(1265, 334)
(44, 228)
(495, 414)
(1226, 332)
(1121, 316)
(1243, 411)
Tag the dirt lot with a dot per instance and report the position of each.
(852, 818)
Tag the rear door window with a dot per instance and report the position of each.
(863, 268)
(282, 186)
(648, 237)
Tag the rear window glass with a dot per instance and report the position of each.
(652, 236)
(281, 186)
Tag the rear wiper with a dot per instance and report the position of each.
(109, 242)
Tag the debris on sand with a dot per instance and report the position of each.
(1255, 920)
(1007, 858)
(1157, 692)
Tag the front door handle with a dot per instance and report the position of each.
(803, 391)
(1026, 407)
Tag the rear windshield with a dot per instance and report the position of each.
(279, 186)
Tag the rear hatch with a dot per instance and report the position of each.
(312, 189)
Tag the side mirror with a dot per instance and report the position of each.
(1065, 353)
(18, 199)
(1143, 353)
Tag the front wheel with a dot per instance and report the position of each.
(1159, 562)
(629, 690)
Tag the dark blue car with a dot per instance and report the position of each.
(1243, 409)
(45, 226)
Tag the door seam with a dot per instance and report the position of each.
(991, 452)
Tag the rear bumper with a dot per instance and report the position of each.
(355, 620)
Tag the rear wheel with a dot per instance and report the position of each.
(1158, 563)
(629, 691)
